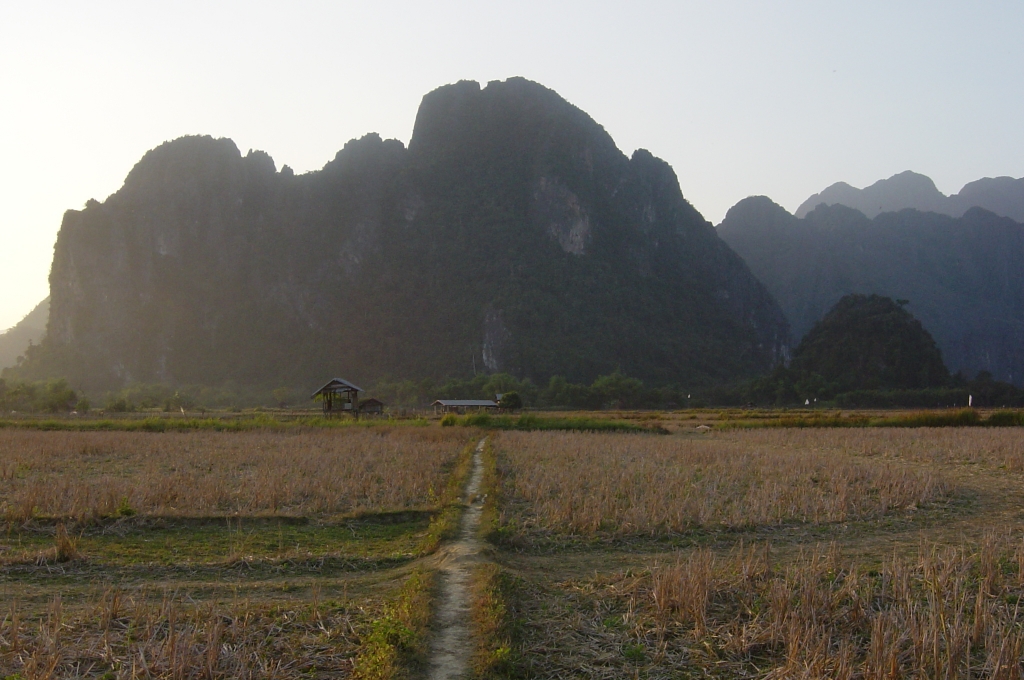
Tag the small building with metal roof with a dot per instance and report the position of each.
(463, 405)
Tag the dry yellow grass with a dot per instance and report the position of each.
(950, 612)
(125, 634)
(1000, 448)
(582, 483)
(937, 612)
(84, 475)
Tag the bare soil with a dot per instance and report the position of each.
(451, 645)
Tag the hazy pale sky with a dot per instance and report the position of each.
(777, 98)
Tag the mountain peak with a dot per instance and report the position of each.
(755, 209)
(904, 190)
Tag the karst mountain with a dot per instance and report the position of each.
(510, 235)
(962, 277)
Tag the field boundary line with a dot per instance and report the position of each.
(451, 646)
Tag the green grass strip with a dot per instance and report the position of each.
(965, 417)
(396, 645)
(172, 424)
(531, 422)
(498, 626)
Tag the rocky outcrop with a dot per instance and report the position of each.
(511, 235)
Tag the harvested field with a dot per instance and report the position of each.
(948, 612)
(581, 483)
(947, 608)
(126, 634)
(89, 475)
(763, 553)
(923, 577)
(998, 448)
(209, 554)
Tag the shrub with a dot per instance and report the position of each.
(510, 401)
(1005, 419)
(477, 420)
(963, 417)
(120, 405)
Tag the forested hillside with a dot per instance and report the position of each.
(871, 342)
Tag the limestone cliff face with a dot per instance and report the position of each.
(512, 235)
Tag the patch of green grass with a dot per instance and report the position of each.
(963, 417)
(193, 543)
(396, 645)
(532, 422)
(445, 524)
(498, 628)
(238, 423)
(1006, 419)
(634, 653)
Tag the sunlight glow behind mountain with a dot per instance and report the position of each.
(779, 99)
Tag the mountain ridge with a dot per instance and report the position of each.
(511, 235)
(1003, 196)
(961, 275)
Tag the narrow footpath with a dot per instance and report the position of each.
(451, 645)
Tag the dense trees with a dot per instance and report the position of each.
(869, 351)
(53, 396)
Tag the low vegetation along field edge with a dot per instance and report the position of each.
(445, 524)
(531, 423)
(172, 424)
(497, 623)
(396, 646)
(967, 417)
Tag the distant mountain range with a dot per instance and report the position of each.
(16, 339)
(1001, 195)
(963, 276)
(511, 235)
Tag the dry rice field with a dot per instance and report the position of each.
(211, 555)
(89, 475)
(772, 553)
(623, 483)
(810, 553)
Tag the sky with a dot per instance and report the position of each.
(741, 98)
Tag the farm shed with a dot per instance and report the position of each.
(339, 394)
(371, 405)
(463, 405)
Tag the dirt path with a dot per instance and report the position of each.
(451, 646)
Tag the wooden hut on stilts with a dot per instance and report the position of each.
(339, 395)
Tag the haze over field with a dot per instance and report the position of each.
(740, 99)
